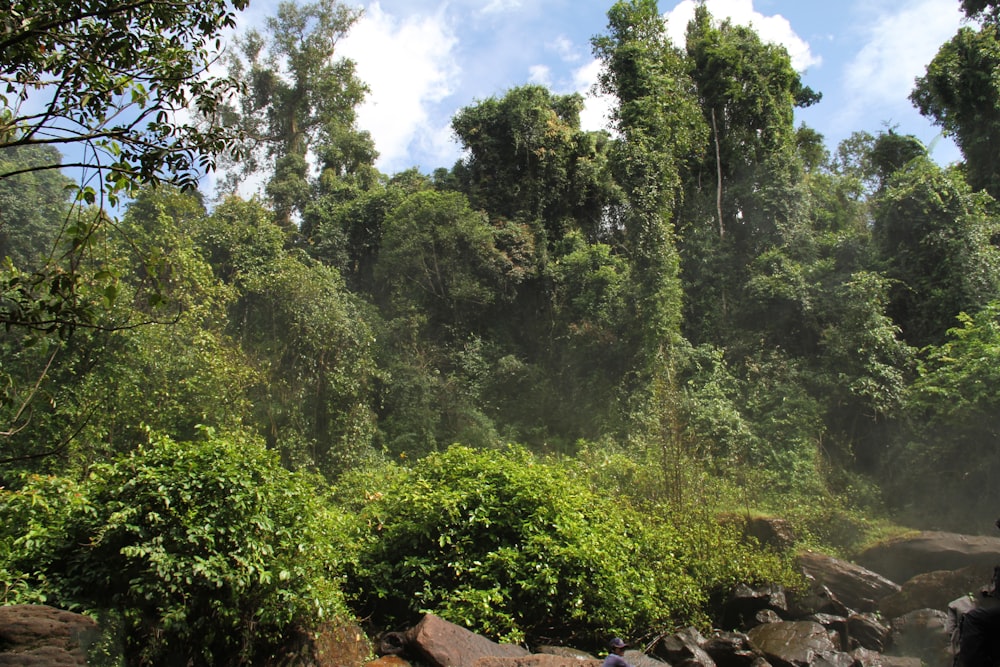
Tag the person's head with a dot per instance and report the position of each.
(617, 645)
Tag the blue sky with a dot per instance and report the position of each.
(426, 59)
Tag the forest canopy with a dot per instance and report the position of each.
(369, 394)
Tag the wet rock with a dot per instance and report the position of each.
(683, 648)
(733, 649)
(922, 634)
(904, 557)
(764, 616)
(867, 632)
(745, 602)
(43, 636)
(836, 627)
(934, 590)
(835, 659)
(865, 658)
(817, 599)
(791, 643)
(536, 660)
(444, 644)
(640, 659)
(566, 652)
(856, 587)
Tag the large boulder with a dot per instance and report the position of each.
(792, 643)
(745, 603)
(864, 630)
(772, 532)
(904, 557)
(855, 586)
(43, 636)
(444, 644)
(536, 660)
(934, 590)
(565, 651)
(683, 648)
(922, 634)
(733, 649)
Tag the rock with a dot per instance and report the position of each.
(640, 659)
(566, 652)
(791, 643)
(764, 616)
(536, 660)
(745, 602)
(934, 590)
(867, 632)
(905, 557)
(771, 532)
(836, 627)
(817, 599)
(392, 643)
(683, 648)
(388, 661)
(444, 644)
(865, 658)
(835, 659)
(855, 586)
(332, 644)
(43, 636)
(922, 634)
(900, 661)
(733, 649)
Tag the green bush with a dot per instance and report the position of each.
(519, 549)
(209, 552)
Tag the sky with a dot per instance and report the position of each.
(423, 60)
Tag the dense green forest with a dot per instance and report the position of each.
(372, 395)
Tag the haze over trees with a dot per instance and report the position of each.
(705, 311)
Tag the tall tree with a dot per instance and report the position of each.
(960, 92)
(528, 160)
(747, 178)
(935, 237)
(297, 94)
(660, 127)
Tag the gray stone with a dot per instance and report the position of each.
(935, 590)
(791, 643)
(922, 634)
(855, 586)
(902, 558)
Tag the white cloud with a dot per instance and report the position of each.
(898, 46)
(597, 108)
(773, 29)
(565, 49)
(540, 74)
(500, 6)
(409, 65)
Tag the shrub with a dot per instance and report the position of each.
(209, 552)
(514, 548)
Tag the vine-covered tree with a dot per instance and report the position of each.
(935, 238)
(660, 127)
(960, 93)
(297, 95)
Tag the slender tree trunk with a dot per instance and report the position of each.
(718, 175)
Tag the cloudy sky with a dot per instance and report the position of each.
(425, 59)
